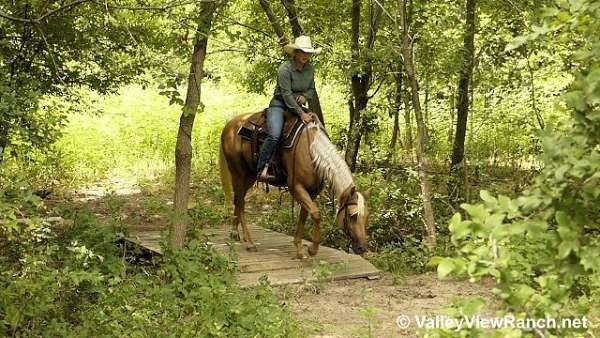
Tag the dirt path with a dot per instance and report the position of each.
(363, 308)
(340, 309)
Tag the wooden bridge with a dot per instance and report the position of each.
(276, 258)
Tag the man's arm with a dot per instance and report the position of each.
(285, 86)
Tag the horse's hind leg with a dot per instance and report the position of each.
(239, 201)
(234, 233)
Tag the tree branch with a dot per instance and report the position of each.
(290, 8)
(164, 7)
(47, 14)
(235, 22)
(51, 55)
(378, 87)
(12, 18)
(374, 24)
(283, 40)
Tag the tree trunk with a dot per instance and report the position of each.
(428, 219)
(451, 127)
(396, 110)
(408, 124)
(534, 106)
(395, 129)
(183, 147)
(466, 72)
(354, 108)
(3, 142)
(361, 78)
(426, 115)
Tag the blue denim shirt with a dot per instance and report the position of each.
(293, 81)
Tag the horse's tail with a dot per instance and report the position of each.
(225, 176)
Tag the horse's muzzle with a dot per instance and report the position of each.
(359, 248)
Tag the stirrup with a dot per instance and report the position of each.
(263, 176)
(266, 178)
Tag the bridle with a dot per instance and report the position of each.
(346, 225)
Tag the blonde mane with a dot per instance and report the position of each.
(330, 166)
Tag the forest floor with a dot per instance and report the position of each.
(370, 308)
(346, 308)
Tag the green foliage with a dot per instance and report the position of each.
(370, 315)
(406, 258)
(90, 44)
(203, 215)
(542, 248)
(78, 282)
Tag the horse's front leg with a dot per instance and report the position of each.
(316, 235)
(311, 208)
(300, 233)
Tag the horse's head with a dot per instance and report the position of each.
(352, 216)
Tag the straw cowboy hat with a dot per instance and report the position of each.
(303, 43)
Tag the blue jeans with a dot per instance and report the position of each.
(275, 120)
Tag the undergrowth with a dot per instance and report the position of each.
(80, 280)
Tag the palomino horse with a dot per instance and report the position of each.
(314, 161)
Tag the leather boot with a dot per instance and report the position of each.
(264, 156)
(264, 176)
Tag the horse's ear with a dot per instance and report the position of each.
(352, 190)
(367, 193)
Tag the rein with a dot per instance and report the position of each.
(346, 226)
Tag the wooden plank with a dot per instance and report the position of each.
(275, 257)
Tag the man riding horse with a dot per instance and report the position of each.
(295, 85)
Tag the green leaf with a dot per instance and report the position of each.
(516, 43)
(458, 228)
(565, 248)
(472, 306)
(590, 258)
(560, 171)
(494, 220)
(523, 293)
(487, 197)
(576, 100)
(536, 227)
(477, 212)
(445, 267)
(562, 218)
(435, 261)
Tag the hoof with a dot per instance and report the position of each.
(235, 236)
(313, 250)
(252, 248)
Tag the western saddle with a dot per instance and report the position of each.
(255, 130)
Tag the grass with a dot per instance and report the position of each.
(135, 132)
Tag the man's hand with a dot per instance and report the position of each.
(306, 117)
(301, 99)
